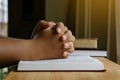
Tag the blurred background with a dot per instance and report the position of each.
(3, 17)
(85, 18)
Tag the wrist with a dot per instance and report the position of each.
(26, 51)
(33, 50)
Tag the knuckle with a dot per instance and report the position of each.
(72, 50)
(69, 32)
(73, 37)
(65, 28)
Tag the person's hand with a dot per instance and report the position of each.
(41, 25)
(58, 32)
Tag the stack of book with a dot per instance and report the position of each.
(85, 43)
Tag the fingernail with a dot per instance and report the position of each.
(64, 37)
(65, 54)
(59, 30)
(66, 45)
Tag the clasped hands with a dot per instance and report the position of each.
(52, 40)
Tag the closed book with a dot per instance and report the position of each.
(72, 63)
(85, 43)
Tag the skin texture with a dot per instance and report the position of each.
(58, 28)
(48, 42)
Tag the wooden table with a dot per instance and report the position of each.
(112, 73)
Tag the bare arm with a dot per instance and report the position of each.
(45, 46)
(13, 50)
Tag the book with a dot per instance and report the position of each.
(93, 53)
(85, 43)
(72, 63)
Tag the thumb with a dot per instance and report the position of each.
(42, 24)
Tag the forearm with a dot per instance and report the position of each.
(13, 50)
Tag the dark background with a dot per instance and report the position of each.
(23, 16)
